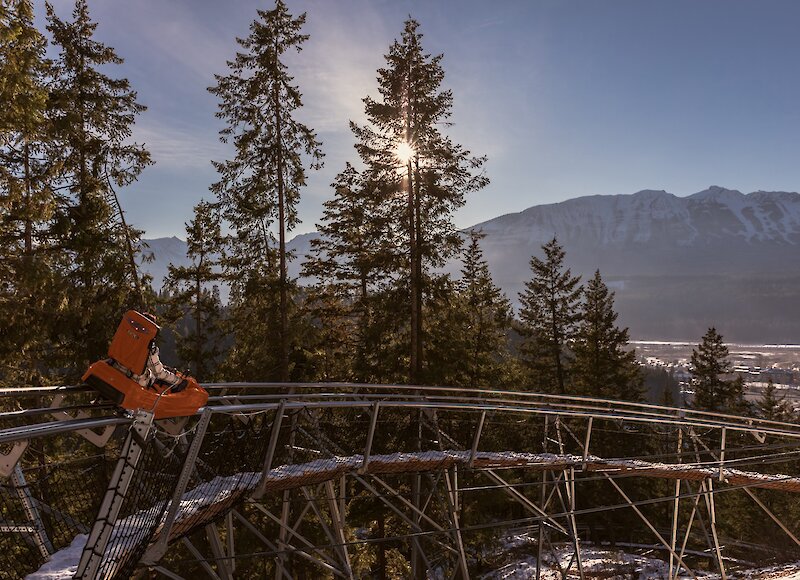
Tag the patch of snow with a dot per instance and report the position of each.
(63, 564)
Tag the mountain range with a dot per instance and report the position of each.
(677, 264)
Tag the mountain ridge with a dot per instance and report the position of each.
(678, 264)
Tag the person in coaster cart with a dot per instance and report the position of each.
(133, 376)
(155, 369)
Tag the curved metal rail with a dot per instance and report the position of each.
(283, 403)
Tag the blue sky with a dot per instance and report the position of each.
(566, 97)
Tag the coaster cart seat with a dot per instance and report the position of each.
(128, 354)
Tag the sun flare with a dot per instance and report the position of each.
(404, 152)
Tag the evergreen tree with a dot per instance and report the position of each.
(424, 176)
(709, 364)
(549, 316)
(192, 292)
(346, 263)
(476, 346)
(29, 287)
(93, 116)
(773, 407)
(604, 365)
(260, 186)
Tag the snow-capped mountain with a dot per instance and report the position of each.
(717, 231)
(678, 264)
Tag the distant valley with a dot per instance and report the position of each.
(677, 264)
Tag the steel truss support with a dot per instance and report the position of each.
(96, 439)
(675, 506)
(29, 505)
(708, 489)
(772, 516)
(156, 551)
(273, 444)
(569, 505)
(648, 524)
(328, 564)
(452, 491)
(132, 449)
(692, 515)
(224, 561)
(408, 520)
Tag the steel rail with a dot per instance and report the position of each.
(429, 392)
(470, 404)
(617, 404)
(57, 427)
(485, 406)
(602, 412)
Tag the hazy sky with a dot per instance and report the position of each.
(566, 97)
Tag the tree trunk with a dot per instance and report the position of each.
(284, 299)
(413, 377)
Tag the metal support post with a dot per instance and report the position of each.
(156, 551)
(370, 436)
(648, 524)
(476, 439)
(332, 539)
(337, 519)
(221, 558)
(586, 441)
(722, 455)
(270, 456)
(200, 558)
(708, 487)
(462, 557)
(569, 484)
(691, 521)
(329, 563)
(32, 514)
(92, 556)
(772, 515)
(229, 536)
(528, 504)
(675, 506)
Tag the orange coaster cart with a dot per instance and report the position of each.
(129, 350)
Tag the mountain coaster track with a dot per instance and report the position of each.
(286, 467)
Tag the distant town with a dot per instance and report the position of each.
(756, 364)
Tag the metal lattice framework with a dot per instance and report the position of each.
(339, 479)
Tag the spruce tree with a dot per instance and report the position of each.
(549, 316)
(30, 291)
(192, 293)
(423, 173)
(709, 364)
(604, 365)
(260, 187)
(93, 115)
(773, 407)
(476, 346)
(346, 264)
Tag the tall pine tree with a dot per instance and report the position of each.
(260, 187)
(475, 344)
(30, 291)
(772, 406)
(549, 316)
(93, 116)
(709, 364)
(347, 264)
(193, 293)
(424, 177)
(604, 365)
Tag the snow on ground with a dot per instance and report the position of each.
(608, 564)
(63, 564)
